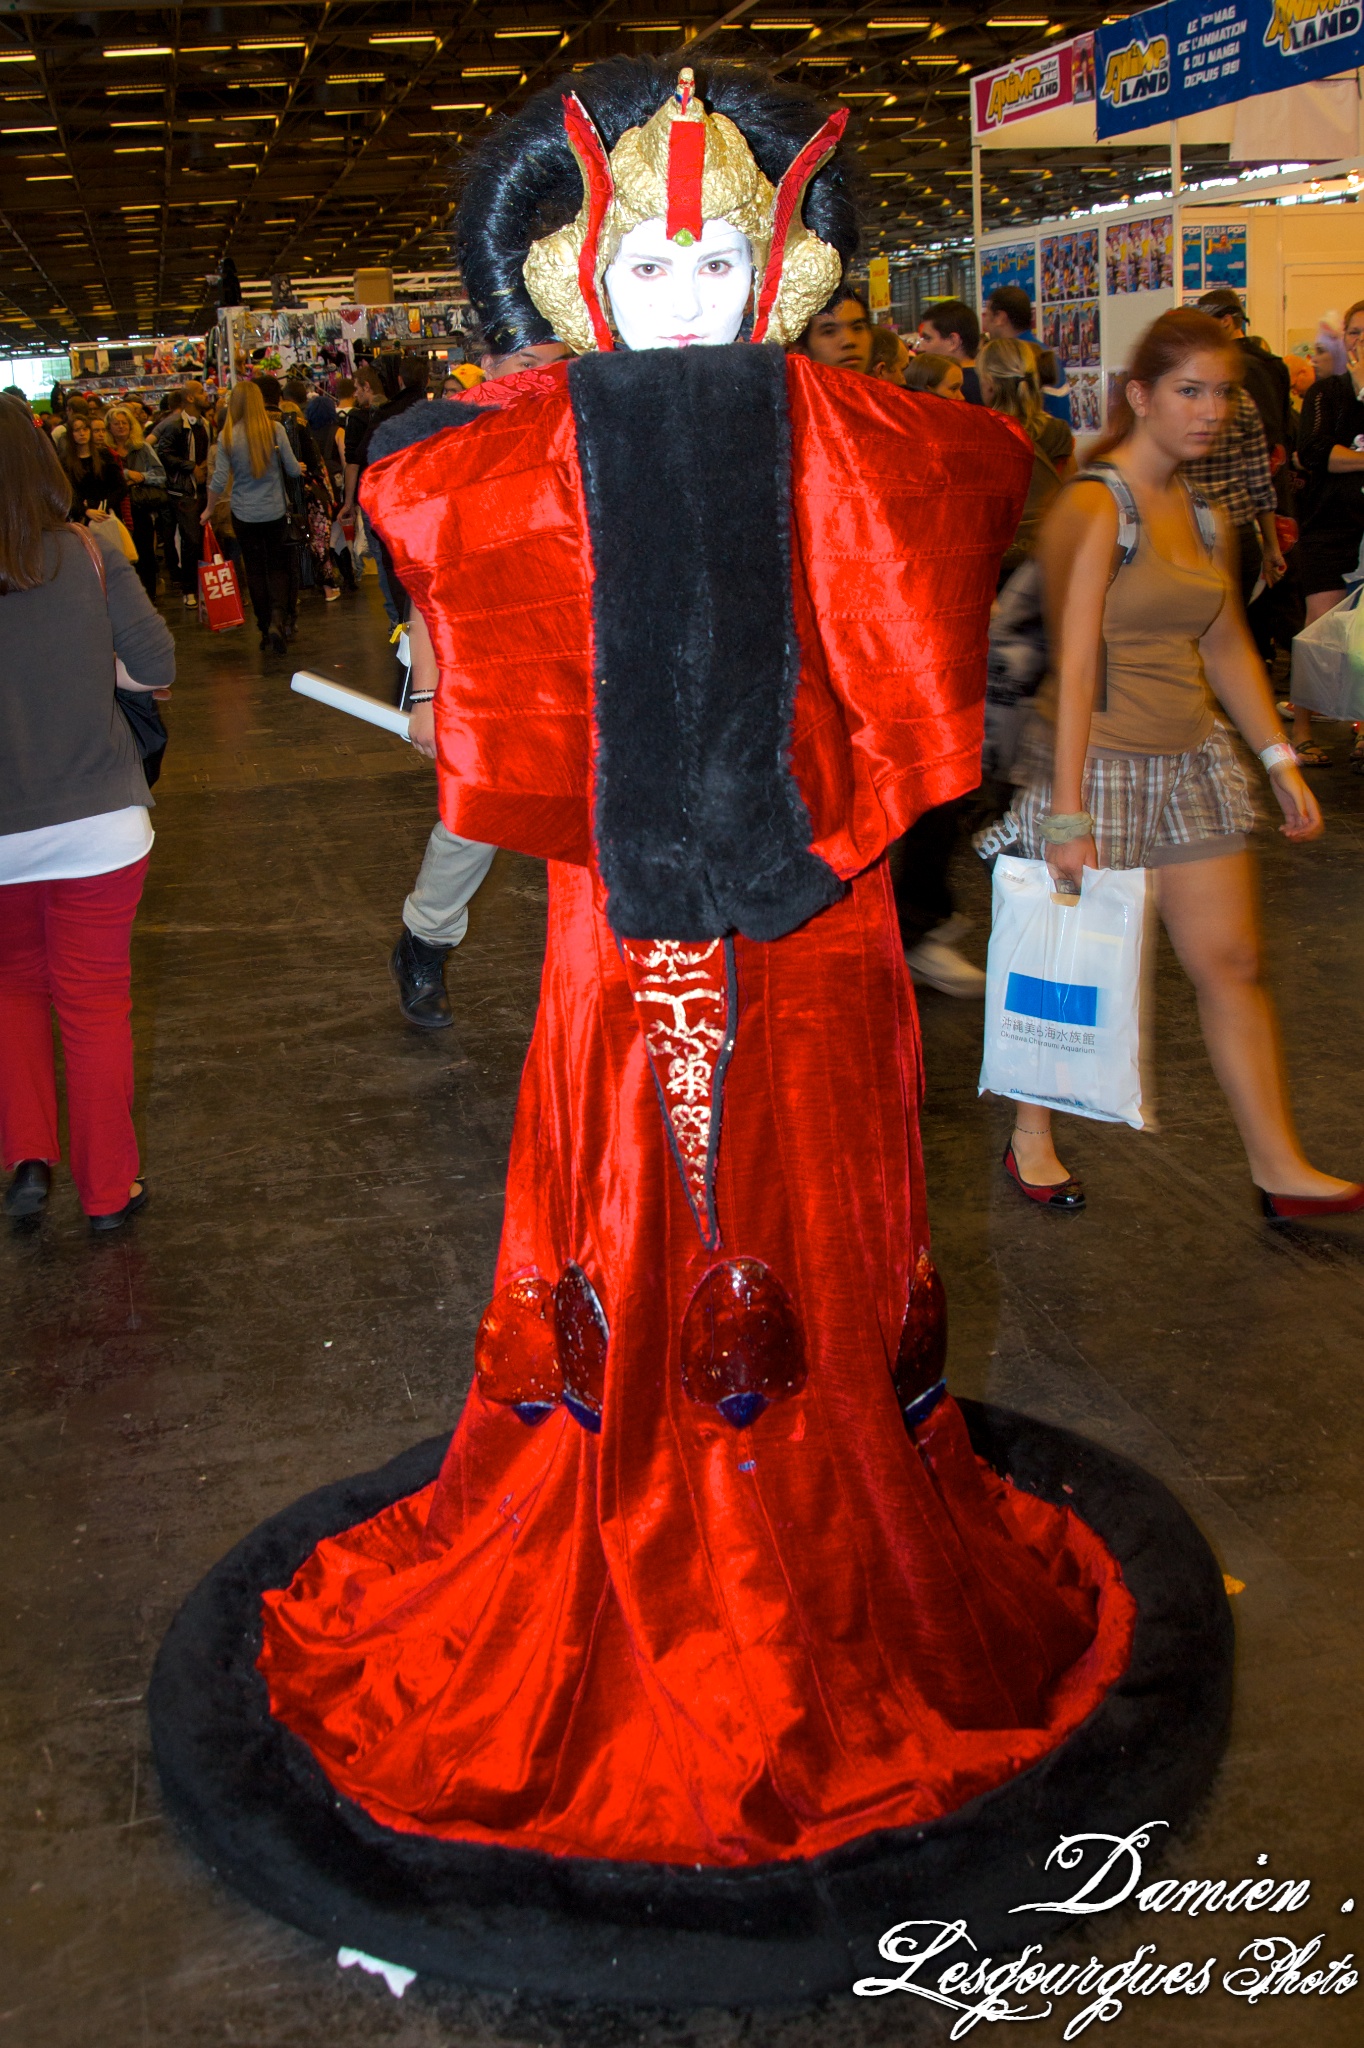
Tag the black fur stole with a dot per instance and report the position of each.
(700, 828)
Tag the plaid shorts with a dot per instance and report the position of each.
(1149, 810)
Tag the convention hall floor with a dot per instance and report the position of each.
(298, 1302)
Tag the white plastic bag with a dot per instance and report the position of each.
(1328, 662)
(1063, 992)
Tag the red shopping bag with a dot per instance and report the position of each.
(220, 601)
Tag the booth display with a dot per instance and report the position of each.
(309, 338)
(1096, 282)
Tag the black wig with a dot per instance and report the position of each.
(524, 183)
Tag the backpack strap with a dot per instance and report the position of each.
(1204, 518)
(1129, 519)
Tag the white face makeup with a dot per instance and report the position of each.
(666, 296)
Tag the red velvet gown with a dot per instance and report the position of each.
(675, 1640)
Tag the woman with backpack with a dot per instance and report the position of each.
(254, 452)
(1008, 381)
(75, 834)
(1128, 765)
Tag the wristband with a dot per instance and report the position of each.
(1278, 755)
(1058, 828)
(421, 696)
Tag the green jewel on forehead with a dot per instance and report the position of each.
(684, 238)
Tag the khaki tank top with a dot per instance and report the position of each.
(1156, 699)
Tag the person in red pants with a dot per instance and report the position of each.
(75, 834)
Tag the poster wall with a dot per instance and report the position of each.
(1015, 263)
(1139, 255)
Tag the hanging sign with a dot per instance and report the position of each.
(1184, 58)
(1062, 76)
(878, 284)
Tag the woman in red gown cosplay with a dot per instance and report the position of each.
(710, 1575)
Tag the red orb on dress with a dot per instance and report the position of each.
(742, 1345)
(515, 1354)
(922, 1357)
(580, 1326)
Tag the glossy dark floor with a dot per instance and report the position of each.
(299, 1299)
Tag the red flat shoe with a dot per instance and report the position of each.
(1293, 1208)
(1068, 1195)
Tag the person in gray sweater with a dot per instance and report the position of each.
(75, 835)
(255, 453)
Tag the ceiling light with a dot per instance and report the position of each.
(133, 92)
(28, 131)
(140, 149)
(1017, 20)
(204, 49)
(50, 178)
(140, 50)
(491, 71)
(157, 123)
(242, 167)
(951, 62)
(458, 106)
(902, 22)
(143, 206)
(781, 21)
(421, 35)
(861, 93)
(839, 62)
(354, 78)
(511, 35)
(275, 43)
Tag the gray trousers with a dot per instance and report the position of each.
(452, 872)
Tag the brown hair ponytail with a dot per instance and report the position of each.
(1167, 342)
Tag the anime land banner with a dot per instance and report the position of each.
(1062, 76)
(1183, 58)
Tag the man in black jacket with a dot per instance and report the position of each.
(1264, 375)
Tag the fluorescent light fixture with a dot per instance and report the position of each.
(415, 35)
(354, 78)
(140, 149)
(143, 206)
(275, 43)
(491, 71)
(28, 131)
(458, 106)
(133, 92)
(18, 56)
(512, 35)
(900, 23)
(1017, 20)
(242, 167)
(204, 49)
(140, 50)
(154, 123)
(50, 178)
(780, 22)
(890, 174)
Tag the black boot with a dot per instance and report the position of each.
(419, 971)
(275, 637)
(27, 1192)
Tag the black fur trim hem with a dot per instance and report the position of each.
(255, 1804)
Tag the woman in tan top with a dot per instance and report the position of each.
(1129, 766)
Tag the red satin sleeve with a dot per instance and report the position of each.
(902, 505)
(488, 533)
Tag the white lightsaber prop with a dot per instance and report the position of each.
(386, 716)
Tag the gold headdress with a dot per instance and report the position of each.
(684, 167)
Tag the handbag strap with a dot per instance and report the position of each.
(92, 549)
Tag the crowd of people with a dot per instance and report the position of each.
(272, 472)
